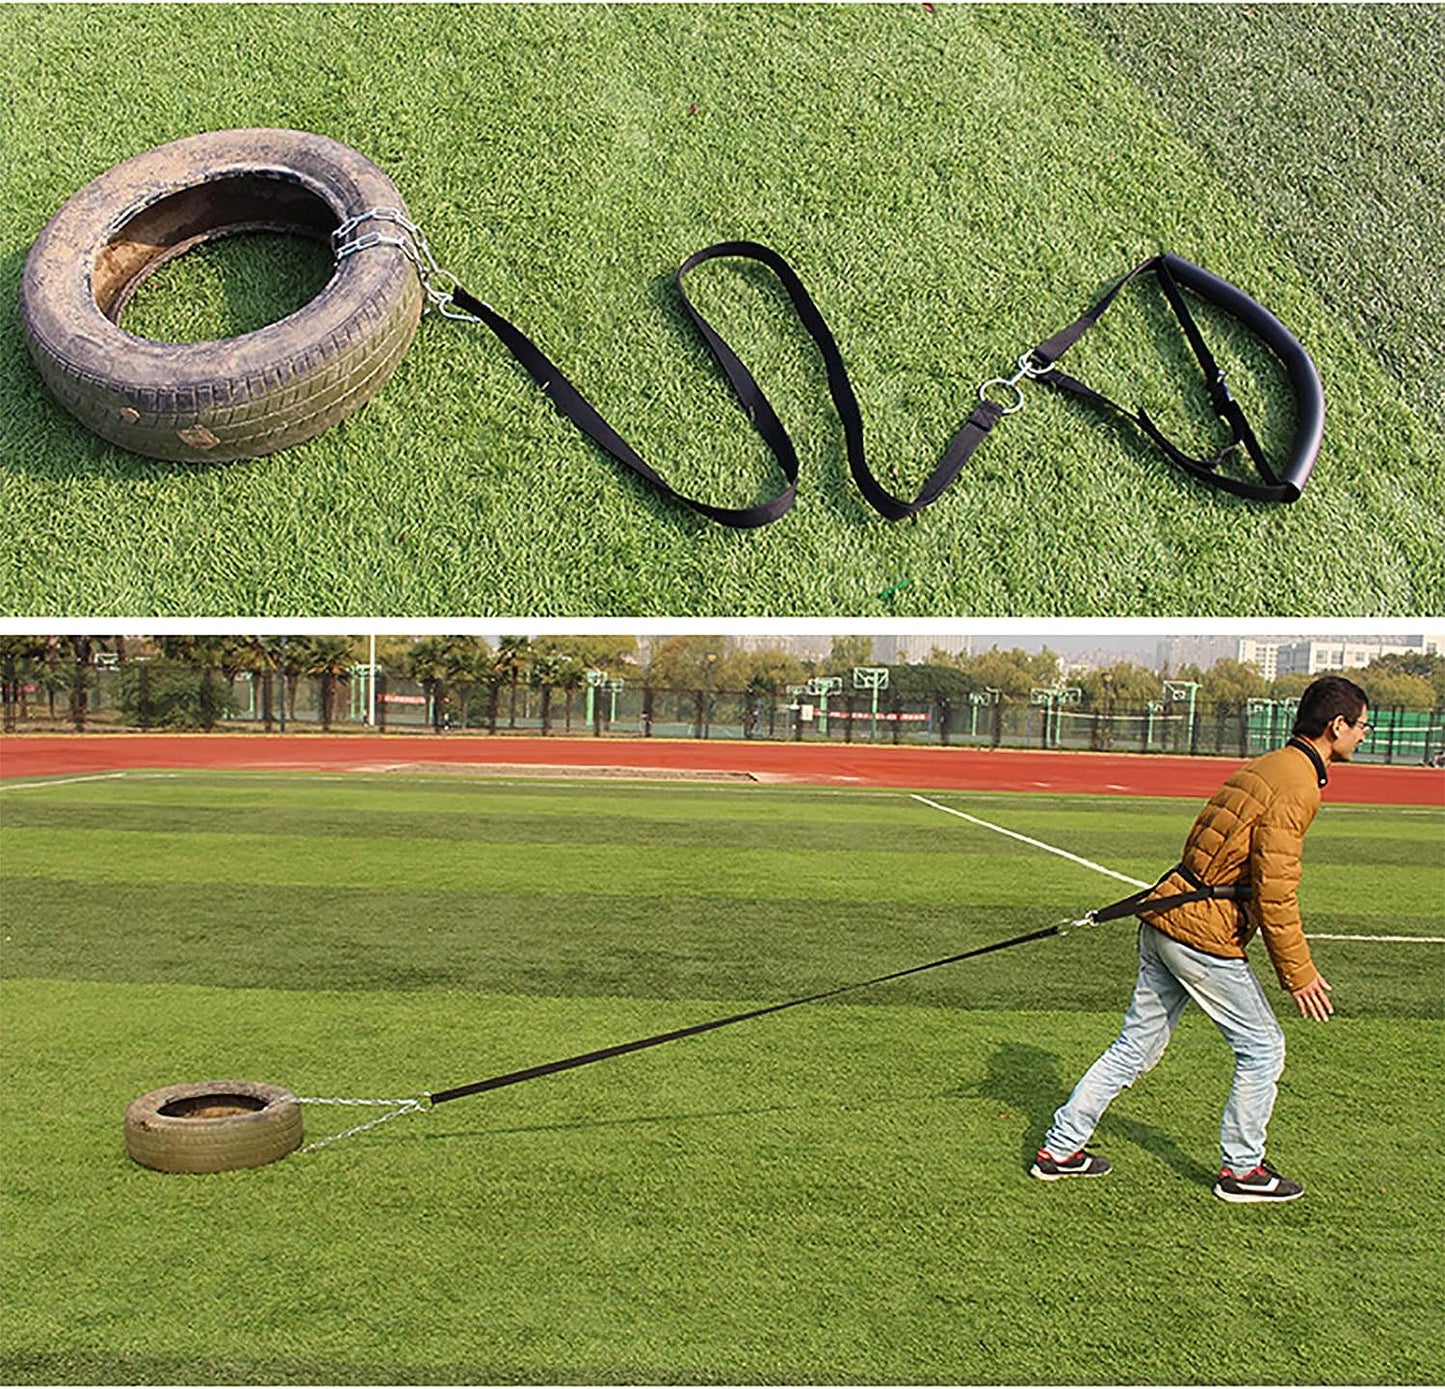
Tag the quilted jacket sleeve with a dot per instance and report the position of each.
(1275, 853)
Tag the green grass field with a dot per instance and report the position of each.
(953, 183)
(833, 1194)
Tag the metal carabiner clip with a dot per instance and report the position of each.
(1028, 369)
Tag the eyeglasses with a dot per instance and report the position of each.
(1364, 727)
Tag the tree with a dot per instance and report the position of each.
(845, 654)
(1290, 686)
(1391, 689)
(1121, 685)
(612, 653)
(393, 654)
(330, 659)
(760, 676)
(1230, 685)
(931, 684)
(767, 672)
(21, 660)
(682, 663)
(959, 660)
(429, 664)
(1429, 668)
(512, 658)
(569, 677)
(164, 693)
(1014, 673)
(468, 662)
(82, 649)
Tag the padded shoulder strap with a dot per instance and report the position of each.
(1282, 483)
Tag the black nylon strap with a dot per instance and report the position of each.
(575, 406)
(586, 1058)
(1127, 906)
(755, 404)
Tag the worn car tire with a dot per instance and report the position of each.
(238, 397)
(212, 1126)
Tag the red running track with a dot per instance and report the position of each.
(923, 768)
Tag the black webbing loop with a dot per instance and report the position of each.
(755, 404)
(1144, 900)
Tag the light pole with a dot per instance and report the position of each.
(709, 661)
(873, 678)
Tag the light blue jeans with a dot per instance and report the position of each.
(1170, 974)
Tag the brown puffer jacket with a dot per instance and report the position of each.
(1252, 830)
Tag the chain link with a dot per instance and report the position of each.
(439, 285)
(1079, 923)
(413, 1105)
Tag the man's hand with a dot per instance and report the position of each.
(1313, 1000)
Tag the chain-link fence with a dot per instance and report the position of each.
(161, 694)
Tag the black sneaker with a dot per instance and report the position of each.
(1048, 1168)
(1263, 1184)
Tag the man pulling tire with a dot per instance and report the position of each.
(1252, 830)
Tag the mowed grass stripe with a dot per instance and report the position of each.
(604, 869)
(472, 795)
(670, 948)
(793, 1201)
(910, 834)
(628, 868)
(442, 807)
(701, 946)
(1111, 830)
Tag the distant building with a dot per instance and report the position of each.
(1174, 653)
(899, 650)
(807, 648)
(1262, 655)
(1316, 657)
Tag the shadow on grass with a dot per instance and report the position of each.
(695, 1116)
(1025, 1080)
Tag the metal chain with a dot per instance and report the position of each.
(438, 284)
(397, 1107)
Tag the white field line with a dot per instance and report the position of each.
(59, 781)
(1397, 940)
(1099, 868)
(1037, 843)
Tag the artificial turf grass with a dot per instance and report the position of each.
(835, 1197)
(885, 143)
(1353, 70)
(701, 1212)
(405, 883)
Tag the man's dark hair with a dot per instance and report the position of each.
(1329, 698)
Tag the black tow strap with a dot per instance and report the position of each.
(1127, 906)
(1038, 365)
